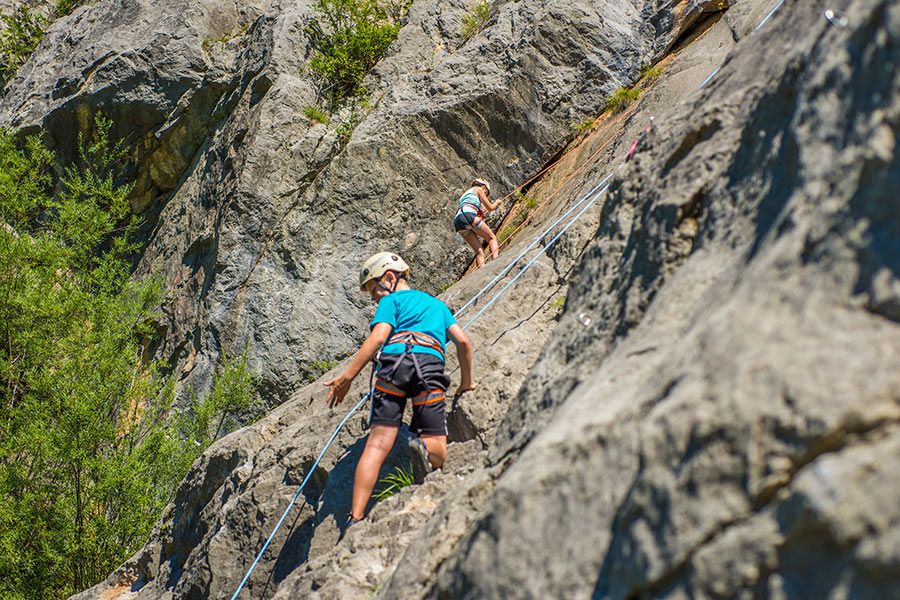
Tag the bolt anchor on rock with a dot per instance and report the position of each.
(838, 21)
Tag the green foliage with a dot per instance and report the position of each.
(582, 126)
(314, 113)
(558, 302)
(323, 365)
(65, 7)
(230, 403)
(23, 31)
(394, 482)
(225, 37)
(446, 286)
(621, 99)
(475, 20)
(524, 205)
(320, 367)
(346, 127)
(650, 73)
(87, 460)
(525, 201)
(350, 37)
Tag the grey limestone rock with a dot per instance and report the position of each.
(693, 394)
(737, 375)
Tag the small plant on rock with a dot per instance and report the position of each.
(391, 485)
(65, 7)
(528, 202)
(475, 20)
(314, 113)
(650, 73)
(621, 99)
(346, 127)
(318, 368)
(582, 126)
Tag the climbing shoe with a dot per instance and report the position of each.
(417, 452)
(350, 522)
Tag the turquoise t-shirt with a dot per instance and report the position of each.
(412, 310)
(469, 201)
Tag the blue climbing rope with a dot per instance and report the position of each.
(544, 249)
(769, 16)
(297, 495)
(757, 28)
(534, 243)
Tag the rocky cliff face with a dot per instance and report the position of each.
(714, 410)
(257, 217)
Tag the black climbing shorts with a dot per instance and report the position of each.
(465, 220)
(427, 397)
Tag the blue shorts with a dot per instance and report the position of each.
(466, 220)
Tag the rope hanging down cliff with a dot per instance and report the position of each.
(366, 396)
(590, 198)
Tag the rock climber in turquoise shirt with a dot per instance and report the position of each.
(411, 328)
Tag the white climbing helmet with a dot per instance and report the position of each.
(378, 264)
(483, 182)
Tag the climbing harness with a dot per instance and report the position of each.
(585, 203)
(409, 339)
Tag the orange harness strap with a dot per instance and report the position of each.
(414, 338)
(382, 388)
(429, 398)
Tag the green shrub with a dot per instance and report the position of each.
(582, 126)
(87, 459)
(349, 38)
(558, 302)
(391, 485)
(23, 31)
(323, 365)
(475, 20)
(230, 403)
(526, 201)
(621, 99)
(650, 73)
(65, 7)
(345, 128)
(226, 37)
(314, 113)
(319, 367)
